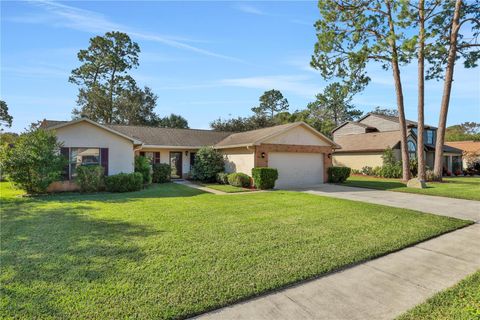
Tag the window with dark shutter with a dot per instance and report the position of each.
(104, 159)
(142, 154)
(65, 152)
(156, 157)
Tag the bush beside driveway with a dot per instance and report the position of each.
(171, 251)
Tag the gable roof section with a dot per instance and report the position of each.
(368, 142)
(394, 119)
(352, 122)
(256, 137)
(467, 146)
(171, 137)
(53, 125)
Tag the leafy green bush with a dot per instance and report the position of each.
(90, 178)
(208, 162)
(264, 178)
(391, 171)
(338, 174)
(388, 157)
(124, 182)
(430, 175)
(367, 171)
(413, 166)
(161, 172)
(143, 166)
(377, 171)
(239, 180)
(34, 162)
(222, 178)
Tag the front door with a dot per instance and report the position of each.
(176, 164)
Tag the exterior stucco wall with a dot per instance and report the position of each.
(297, 136)
(239, 160)
(358, 160)
(86, 135)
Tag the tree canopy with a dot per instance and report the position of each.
(271, 103)
(464, 131)
(5, 118)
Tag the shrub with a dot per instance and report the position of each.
(367, 171)
(430, 175)
(413, 166)
(264, 178)
(391, 171)
(34, 162)
(90, 178)
(143, 166)
(338, 174)
(388, 157)
(222, 178)
(377, 171)
(356, 171)
(239, 180)
(161, 172)
(208, 162)
(124, 182)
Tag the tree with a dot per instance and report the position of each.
(136, 107)
(5, 118)
(271, 102)
(173, 121)
(334, 104)
(463, 131)
(352, 33)
(448, 45)
(241, 124)
(103, 76)
(34, 162)
(385, 111)
(208, 162)
(7, 138)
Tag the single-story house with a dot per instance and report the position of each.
(299, 152)
(470, 148)
(363, 142)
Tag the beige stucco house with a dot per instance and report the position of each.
(300, 153)
(363, 142)
(470, 149)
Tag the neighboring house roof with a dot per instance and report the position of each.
(255, 137)
(353, 122)
(368, 142)
(172, 137)
(390, 118)
(467, 146)
(191, 138)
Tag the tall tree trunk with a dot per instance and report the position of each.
(421, 91)
(447, 89)
(399, 94)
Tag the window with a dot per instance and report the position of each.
(415, 131)
(412, 149)
(192, 159)
(83, 157)
(430, 137)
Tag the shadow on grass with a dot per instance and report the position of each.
(46, 250)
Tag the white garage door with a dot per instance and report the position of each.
(297, 169)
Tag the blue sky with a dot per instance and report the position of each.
(204, 60)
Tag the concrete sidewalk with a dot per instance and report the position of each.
(457, 208)
(199, 187)
(378, 289)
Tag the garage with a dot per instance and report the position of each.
(297, 169)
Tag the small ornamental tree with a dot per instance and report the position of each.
(34, 162)
(208, 162)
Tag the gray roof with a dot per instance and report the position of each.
(170, 136)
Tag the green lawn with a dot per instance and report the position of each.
(171, 251)
(454, 187)
(459, 302)
(225, 187)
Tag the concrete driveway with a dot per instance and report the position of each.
(456, 208)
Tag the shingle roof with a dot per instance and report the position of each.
(51, 123)
(373, 141)
(170, 136)
(249, 137)
(468, 146)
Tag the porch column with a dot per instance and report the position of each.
(449, 165)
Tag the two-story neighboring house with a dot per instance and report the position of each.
(364, 141)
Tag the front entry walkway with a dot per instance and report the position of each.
(456, 208)
(382, 288)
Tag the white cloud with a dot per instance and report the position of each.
(247, 8)
(62, 15)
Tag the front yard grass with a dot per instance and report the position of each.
(224, 187)
(454, 187)
(462, 301)
(171, 251)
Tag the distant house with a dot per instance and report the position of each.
(471, 150)
(300, 153)
(364, 141)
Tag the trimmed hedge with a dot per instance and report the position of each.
(338, 174)
(143, 166)
(222, 178)
(161, 172)
(264, 178)
(90, 178)
(124, 182)
(239, 180)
